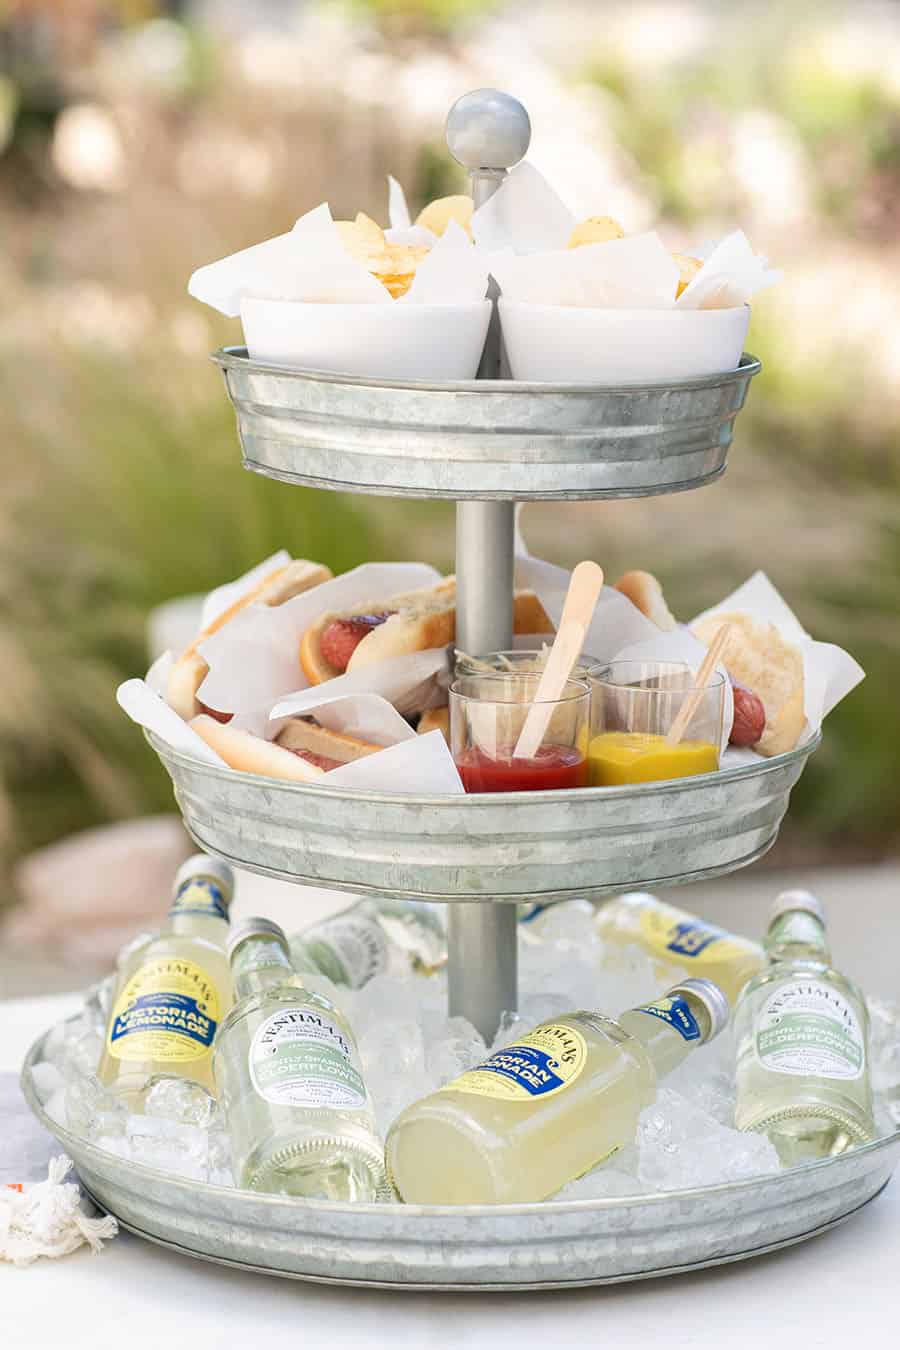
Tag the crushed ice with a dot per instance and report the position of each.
(409, 1047)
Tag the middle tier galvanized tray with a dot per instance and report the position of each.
(502, 846)
(483, 439)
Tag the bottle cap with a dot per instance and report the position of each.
(202, 865)
(799, 899)
(713, 1000)
(255, 927)
(638, 898)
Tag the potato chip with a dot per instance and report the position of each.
(596, 230)
(363, 238)
(687, 268)
(437, 215)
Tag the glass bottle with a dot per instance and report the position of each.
(549, 1107)
(372, 937)
(677, 938)
(802, 1042)
(288, 1074)
(174, 990)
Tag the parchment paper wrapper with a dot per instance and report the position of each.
(146, 707)
(637, 272)
(829, 673)
(309, 264)
(525, 228)
(409, 763)
(411, 683)
(254, 660)
(730, 275)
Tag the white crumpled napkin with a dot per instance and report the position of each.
(46, 1219)
(310, 263)
(525, 228)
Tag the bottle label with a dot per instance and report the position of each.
(356, 949)
(300, 1057)
(544, 1062)
(168, 1011)
(199, 895)
(677, 1012)
(807, 1027)
(670, 933)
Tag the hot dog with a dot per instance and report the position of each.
(302, 752)
(382, 629)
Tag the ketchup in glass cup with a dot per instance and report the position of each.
(487, 714)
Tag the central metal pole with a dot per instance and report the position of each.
(482, 936)
(487, 132)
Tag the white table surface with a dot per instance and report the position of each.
(840, 1289)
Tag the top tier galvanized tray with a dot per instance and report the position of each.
(483, 439)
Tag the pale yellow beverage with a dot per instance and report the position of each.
(677, 938)
(173, 994)
(550, 1107)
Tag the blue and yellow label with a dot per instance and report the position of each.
(199, 895)
(544, 1062)
(692, 937)
(676, 1011)
(168, 1011)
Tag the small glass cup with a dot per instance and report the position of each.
(520, 661)
(487, 714)
(634, 705)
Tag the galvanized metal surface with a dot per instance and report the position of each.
(557, 1244)
(503, 846)
(483, 439)
(482, 946)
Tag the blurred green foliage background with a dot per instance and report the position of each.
(139, 140)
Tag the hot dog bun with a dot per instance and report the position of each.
(251, 754)
(759, 657)
(309, 738)
(189, 671)
(435, 719)
(645, 593)
(418, 622)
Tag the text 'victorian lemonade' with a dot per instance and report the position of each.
(172, 996)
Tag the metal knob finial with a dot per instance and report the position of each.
(488, 129)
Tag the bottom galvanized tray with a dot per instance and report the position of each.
(503, 846)
(557, 1244)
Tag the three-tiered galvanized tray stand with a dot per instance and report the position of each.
(486, 444)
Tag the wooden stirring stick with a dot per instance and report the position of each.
(581, 601)
(692, 702)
